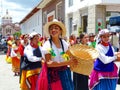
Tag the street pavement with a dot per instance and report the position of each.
(7, 79)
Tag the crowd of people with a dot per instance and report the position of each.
(29, 54)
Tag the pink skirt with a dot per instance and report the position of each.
(96, 76)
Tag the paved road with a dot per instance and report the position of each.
(7, 79)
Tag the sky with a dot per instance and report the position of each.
(17, 9)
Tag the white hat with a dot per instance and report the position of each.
(33, 34)
(103, 31)
(55, 21)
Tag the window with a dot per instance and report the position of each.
(8, 30)
(108, 14)
(75, 27)
(70, 3)
(70, 25)
(44, 17)
(59, 11)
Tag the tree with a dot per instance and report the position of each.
(17, 34)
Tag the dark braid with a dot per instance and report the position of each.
(50, 40)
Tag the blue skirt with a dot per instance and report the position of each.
(66, 80)
(106, 84)
(63, 75)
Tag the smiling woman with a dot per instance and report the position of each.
(59, 74)
(104, 74)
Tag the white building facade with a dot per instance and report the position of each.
(32, 22)
(89, 16)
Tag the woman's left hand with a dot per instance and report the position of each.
(73, 61)
(118, 56)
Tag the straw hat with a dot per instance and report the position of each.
(55, 21)
(85, 56)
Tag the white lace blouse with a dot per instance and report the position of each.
(57, 51)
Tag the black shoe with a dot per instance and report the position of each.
(15, 74)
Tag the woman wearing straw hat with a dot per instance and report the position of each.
(80, 80)
(104, 75)
(31, 64)
(59, 74)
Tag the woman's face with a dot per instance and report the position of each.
(105, 38)
(18, 42)
(91, 38)
(26, 38)
(55, 30)
(85, 39)
(35, 40)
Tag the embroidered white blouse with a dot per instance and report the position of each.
(102, 51)
(28, 51)
(57, 51)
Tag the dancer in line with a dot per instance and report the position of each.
(104, 75)
(31, 64)
(59, 74)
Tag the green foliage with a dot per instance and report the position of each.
(80, 30)
(17, 34)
